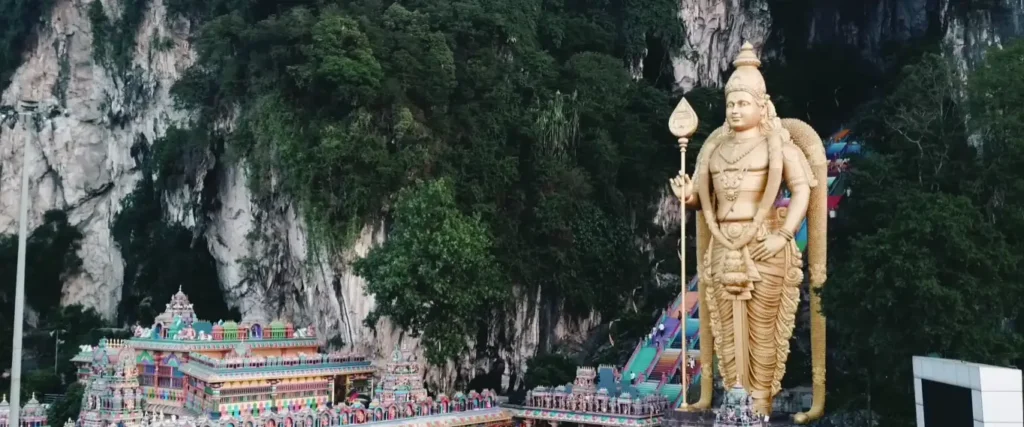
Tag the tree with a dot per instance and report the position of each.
(78, 326)
(918, 266)
(51, 256)
(68, 406)
(997, 118)
(436, 275)
(549, 370)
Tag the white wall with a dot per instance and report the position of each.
(995, 392)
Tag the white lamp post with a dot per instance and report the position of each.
(27, 108)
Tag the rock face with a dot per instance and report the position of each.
(90, 115)
(715, 30)
(969, 33)
(78, 160)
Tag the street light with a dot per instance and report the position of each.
(28, 107)
(56, 349)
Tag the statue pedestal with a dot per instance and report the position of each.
(736, 411)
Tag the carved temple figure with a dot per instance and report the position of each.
(749, 267)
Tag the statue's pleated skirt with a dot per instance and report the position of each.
(766, 319)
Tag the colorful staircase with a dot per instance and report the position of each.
(647, 387)
(641, 361)
(671, 391)
(666, 365)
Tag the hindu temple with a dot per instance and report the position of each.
(33, 414)
(183, 371)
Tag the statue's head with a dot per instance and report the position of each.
(747, 104)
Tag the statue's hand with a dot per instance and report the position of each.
(768, 247)
(682, 187)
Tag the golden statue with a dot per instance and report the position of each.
(749, 268)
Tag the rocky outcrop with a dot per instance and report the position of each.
(78, 160)
(968, 33)
(715, 30)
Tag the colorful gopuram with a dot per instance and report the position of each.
(112, 396)
(32, 414)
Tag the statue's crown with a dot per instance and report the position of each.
(747, 77)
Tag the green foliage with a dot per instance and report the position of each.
(339, 59)
(180, 155)
(51, 256)
(996, 115)
(549, 370)
(917, 244)
(437, 264)
(524, 106)
(161, 257)
(19, 19)
(78, 326)
(67, 407)
(40, 382)
(114, 38)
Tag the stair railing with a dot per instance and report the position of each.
(654, 362)
(664, 379)
(676, 364)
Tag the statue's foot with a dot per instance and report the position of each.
(762, 406)
(807, 417)
(701, 405)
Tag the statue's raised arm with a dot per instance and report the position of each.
(749, 268)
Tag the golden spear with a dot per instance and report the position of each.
(683, 123)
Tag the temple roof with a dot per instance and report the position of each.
(179, 307)
(33, 408)
(179, 323)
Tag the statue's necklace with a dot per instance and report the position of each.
(731, 180)
(747, 146)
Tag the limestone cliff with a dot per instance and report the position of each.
(91, 114)
(80, 160)
(717, 28)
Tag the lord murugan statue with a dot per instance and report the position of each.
(749, 267)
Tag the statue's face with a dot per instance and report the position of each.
(741, 111)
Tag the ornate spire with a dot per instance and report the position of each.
(747, 77)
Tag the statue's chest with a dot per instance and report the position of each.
(730, 158)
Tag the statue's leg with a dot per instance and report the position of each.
(707, 338)
(707, 353)
(720, 309)
(771, 315)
